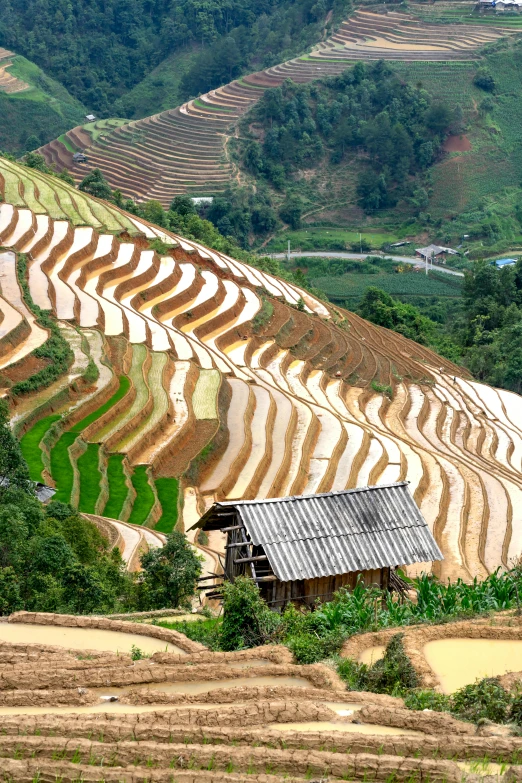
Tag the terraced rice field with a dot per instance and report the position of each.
(232, 411)
(9, 83)
(191, 714)
(184, 149)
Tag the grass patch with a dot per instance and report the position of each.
(144, 496)
(30, 445)
(168, 494)
(89, 478)
(121, 392)
(61, 468)
(329, 238)
(117, 487)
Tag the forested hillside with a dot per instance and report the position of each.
(99, 50)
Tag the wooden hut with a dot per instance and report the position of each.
(303, 549)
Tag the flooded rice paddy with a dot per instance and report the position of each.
(459, 662)
(83, 638)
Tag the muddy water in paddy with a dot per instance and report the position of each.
(82, 638)
(372, 654)
(459, 662)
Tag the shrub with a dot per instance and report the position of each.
(247, 620)
(206, 632)
(354, 674)
(170, 574)
(484, 80)
(484, 699)
(515, 712)
(394, 672)
(308, 648)
(427, 700)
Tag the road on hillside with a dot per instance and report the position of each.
(362, 256)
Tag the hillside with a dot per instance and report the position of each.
(200, 162)
(194, 376)
(34, 108)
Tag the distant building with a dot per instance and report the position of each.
(79, 157)
(435, 252)
(304, 548)
(502, 262)
(90, 117)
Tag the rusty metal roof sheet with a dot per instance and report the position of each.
(310, 536)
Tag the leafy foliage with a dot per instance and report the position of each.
(392, 674)
(380, 308)
(247, 620)
(365, 109)
(170, 574)
(99, 49)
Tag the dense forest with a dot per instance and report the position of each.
(366, 110)
(99, 49)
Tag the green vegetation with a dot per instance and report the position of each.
(171, 573)
(87, 47)
(89, 478)
(36, 115)
(393, 673)
(123, 388)
(263, 315)
(332, 238)
(61, 467)
(315, 635)
(144, 500)
(367, 109)
(485, 335)
(30, 445)
(483, 700)
(168, 495)
(118, 489)
(380, 308)
(54, 560)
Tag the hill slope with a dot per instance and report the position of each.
(185, 149)
(195, 376)
(34, 108)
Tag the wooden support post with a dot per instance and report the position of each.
(256, 559)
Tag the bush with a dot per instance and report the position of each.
(484, 80)
(394, 672)
(247, 620)
(308, 648)
(354, 674)
(484, 699)
(170, 574)
(427, 700)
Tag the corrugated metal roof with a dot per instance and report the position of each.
(336, 532)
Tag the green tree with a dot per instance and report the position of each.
(291, 211)
(14, 473)
(247, 620)
(183, 205)
(170, 573)
(96, 185)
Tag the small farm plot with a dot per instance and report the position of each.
(352, 287)
(204, 399)
(118, 489)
